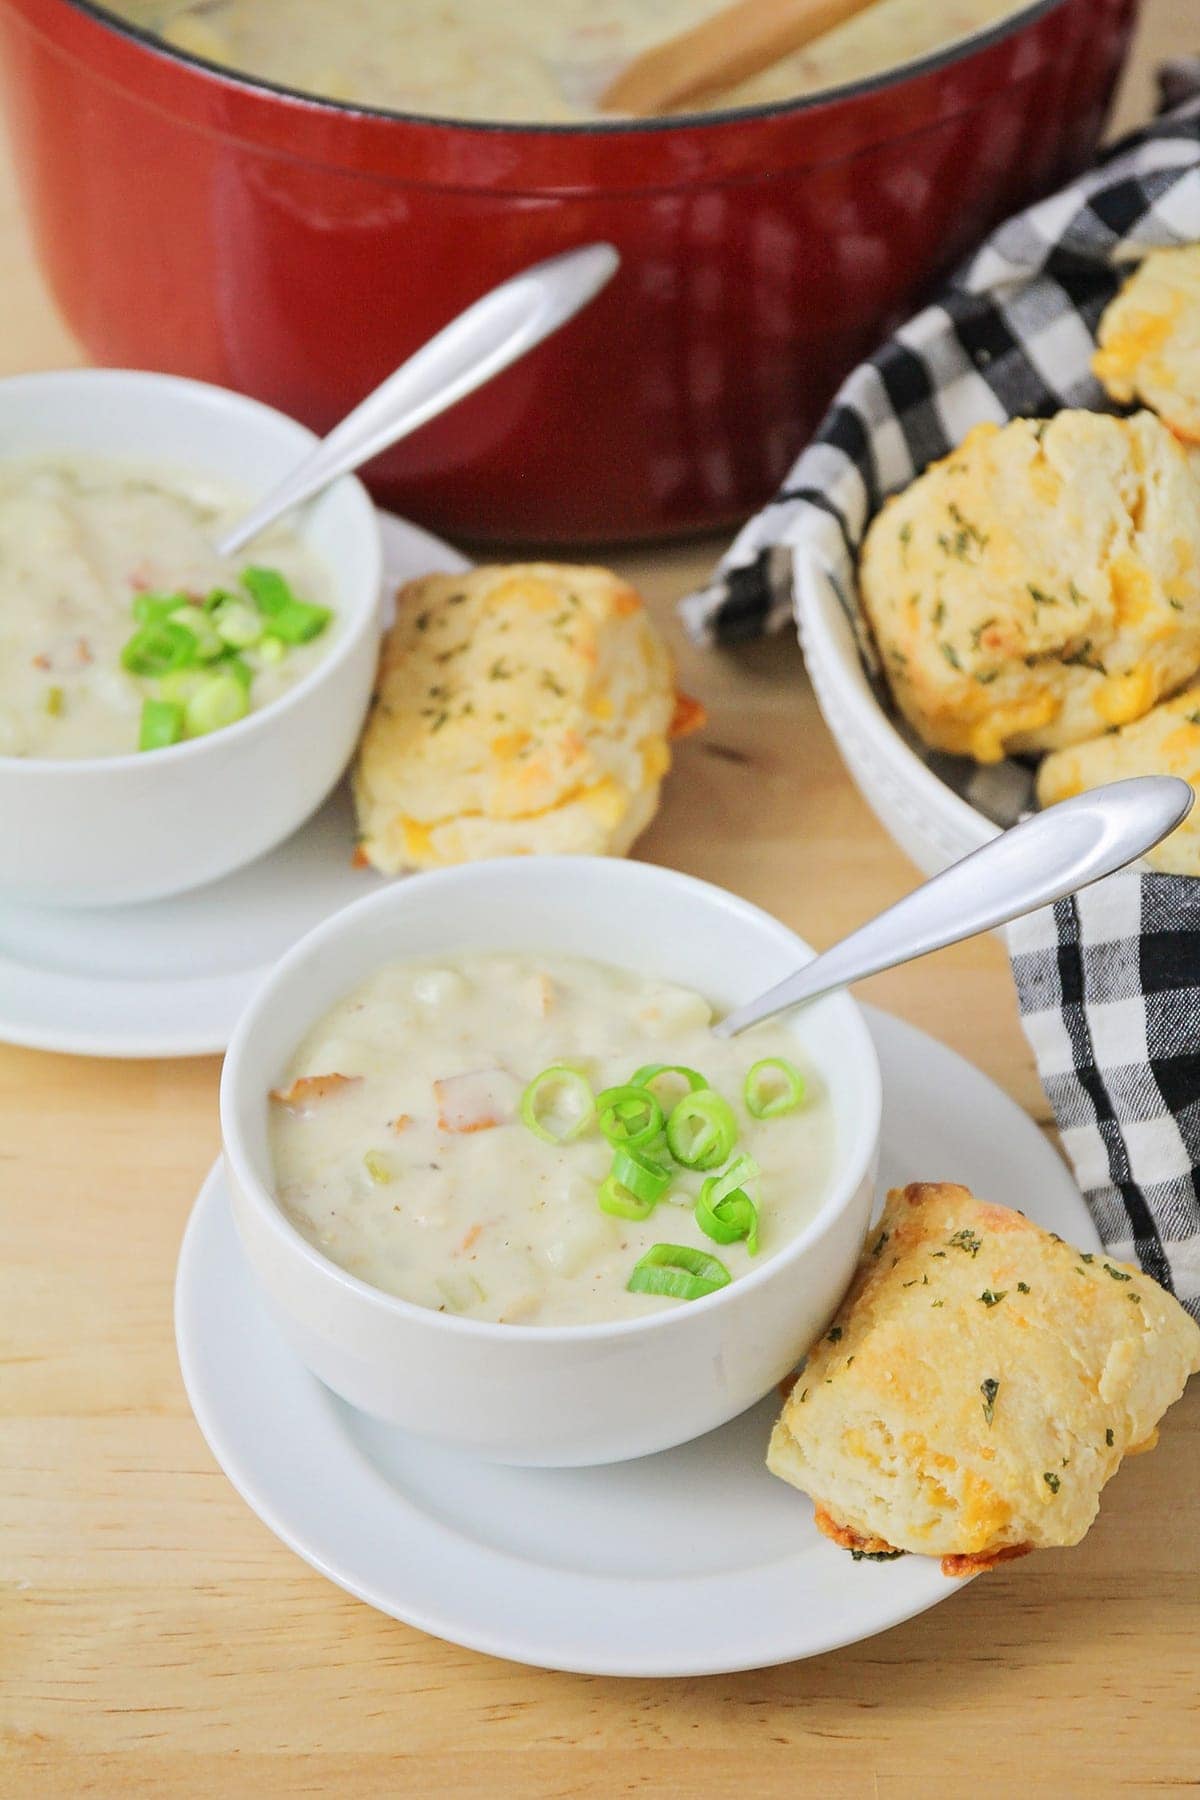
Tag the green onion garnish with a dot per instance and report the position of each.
(158, 649)
(293, 621)
(773, 1086)
(725, 1212)
(379, 1167)
(237, 624)
(268, 589)
(300, 622)
(701, 1130)
(643, 1175)
(233, 664)
(677, 1270)
(615, 1198)
(162, 724)
(152, 609)
(209, 643)
(219, 701)
(272, 650)
(629, 1116)
(651, 1072)
(543, 1101)
(55, 701)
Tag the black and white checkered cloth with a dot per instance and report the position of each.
(1109, 983)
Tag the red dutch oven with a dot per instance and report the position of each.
(196, 221)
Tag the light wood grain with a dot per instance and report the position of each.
(156, 1640)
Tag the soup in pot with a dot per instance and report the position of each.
(532, 60)
(543, 1140)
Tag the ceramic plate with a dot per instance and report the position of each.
(689, 1563)
(170, 978)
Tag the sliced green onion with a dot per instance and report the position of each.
(641, 1174)
(629, 1116)
(678, 1270)
(459, 1292)
(162, 724)
(701, 1130)
(299, 622)
(233, 664)
(152, 609)
(236, 623)
(773, 1086)
(615, 1198)
(158, 649)
(650, 1072)
(379, 1167)
(55, 701)
(272, 650)
(268, 589)
(217, 702)
(543, 1100)
(209, 642)
(218, 597)
(181, 684)
(724, 1211)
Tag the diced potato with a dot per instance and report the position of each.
(576, 1231)
(439, 987)
(476, 1101)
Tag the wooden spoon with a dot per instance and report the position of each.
(735, 43)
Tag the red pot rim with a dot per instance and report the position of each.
(743, 143)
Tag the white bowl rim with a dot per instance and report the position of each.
(869, 717)
(841, 1187)
(188, 391)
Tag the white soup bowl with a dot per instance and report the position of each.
(552, 1395)
(109, 830)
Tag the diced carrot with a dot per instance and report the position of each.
(41, 660)
(471, 1238)
(400, 1123)
(306, 1090)
(360, 859)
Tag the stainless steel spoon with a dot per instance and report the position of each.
(1055, 853)
(489, 336)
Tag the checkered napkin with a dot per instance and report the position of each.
(1109, 982)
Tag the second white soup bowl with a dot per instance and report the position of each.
(109, 830)
(552, 1395)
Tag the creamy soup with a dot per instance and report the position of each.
(95, 556)
(539, 60)
(400, 1150)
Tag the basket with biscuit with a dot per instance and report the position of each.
(992, 552)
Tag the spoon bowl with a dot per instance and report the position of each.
(1046, 857)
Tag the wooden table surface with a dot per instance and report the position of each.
(156, 1639)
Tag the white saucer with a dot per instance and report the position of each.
(171, 978)
(693, 1562)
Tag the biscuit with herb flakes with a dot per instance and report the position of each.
(518, 710)
(1038, 585)
(1165, 742)
(979, 1385)
(1149, 339)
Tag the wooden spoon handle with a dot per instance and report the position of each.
(735, 43)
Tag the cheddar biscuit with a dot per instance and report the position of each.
(1149, 339)
(980, 1384)
(1039, 584)
(1165, 742)
(518, 710)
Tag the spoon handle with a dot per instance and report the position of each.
(1052, 854)
(496, 331)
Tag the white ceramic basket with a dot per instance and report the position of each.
(928, 820)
